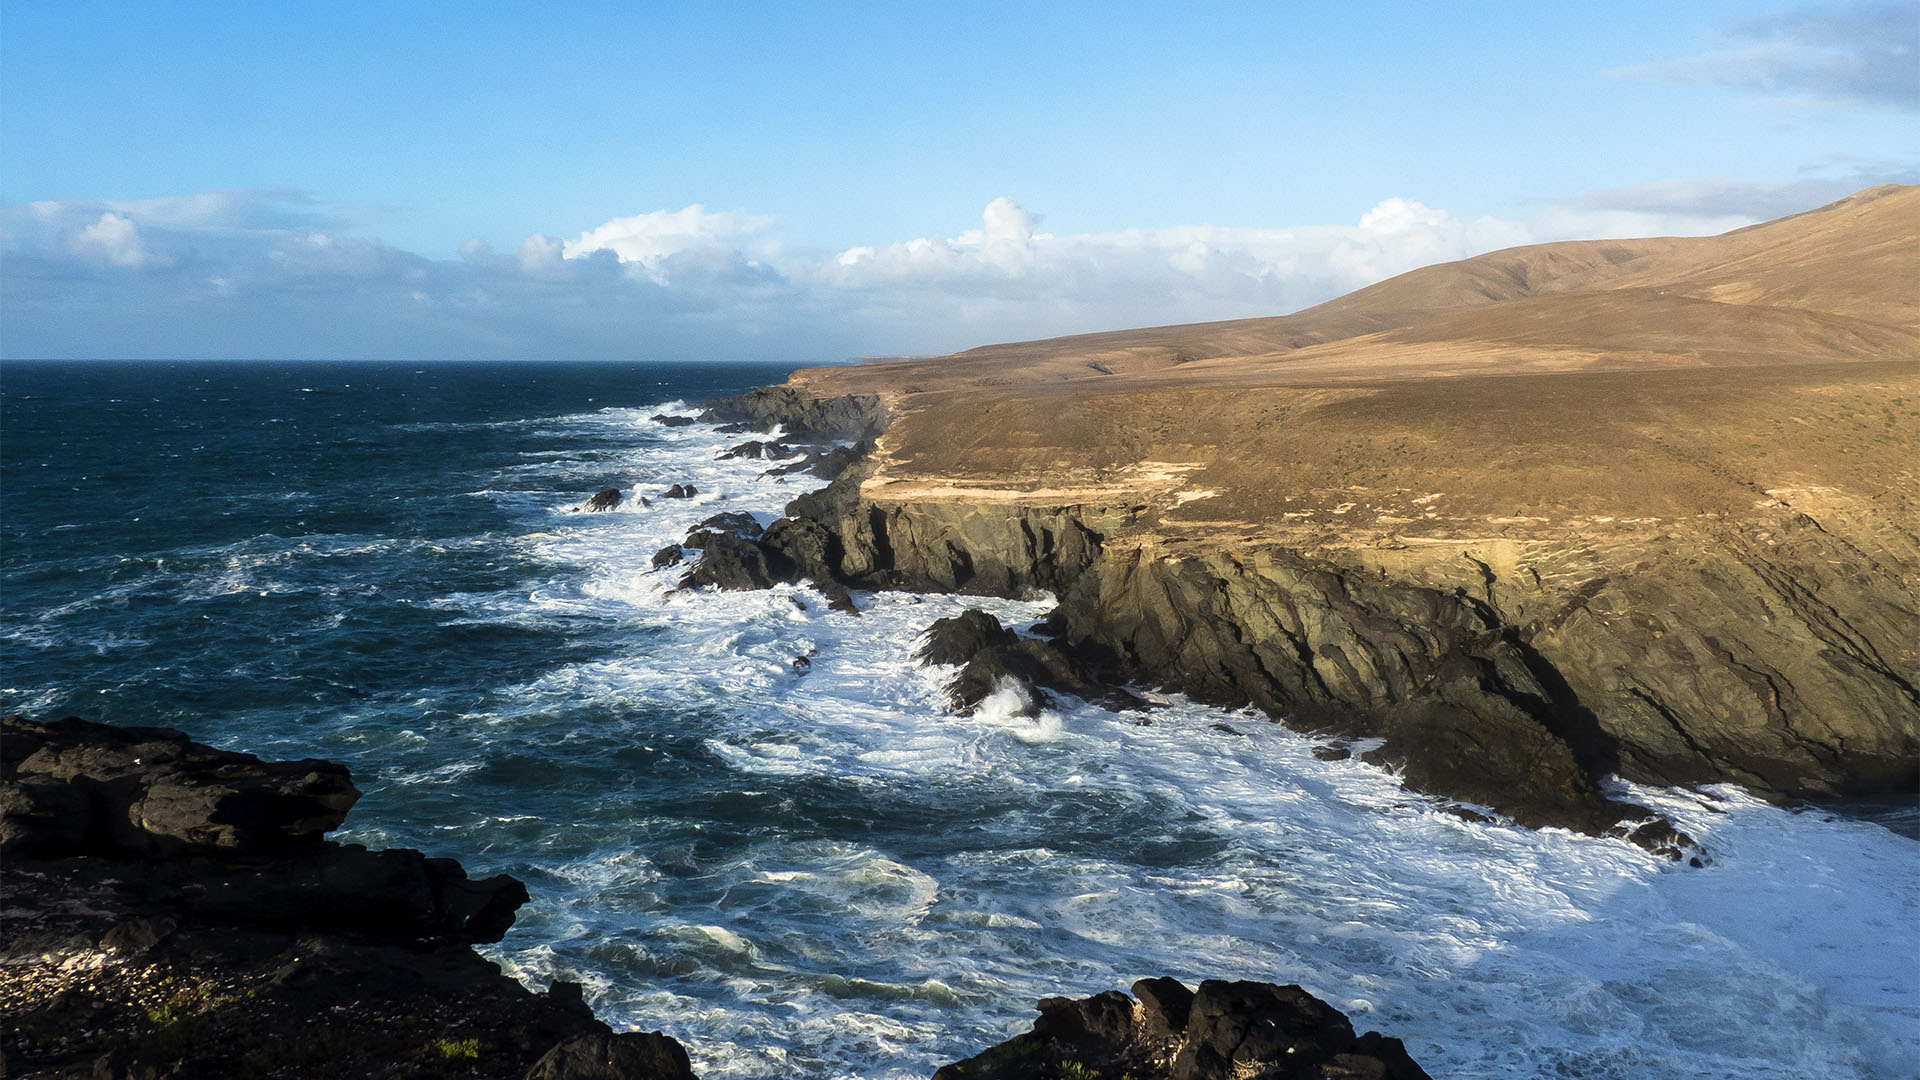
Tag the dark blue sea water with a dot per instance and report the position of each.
(823, 874)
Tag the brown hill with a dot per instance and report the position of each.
(1660, 495)
(1840, 283)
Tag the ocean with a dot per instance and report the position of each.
(814, 870)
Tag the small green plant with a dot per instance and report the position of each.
(1074, 1070)
(456, 1049)
(173, 1034)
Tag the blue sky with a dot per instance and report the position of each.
(812, 182)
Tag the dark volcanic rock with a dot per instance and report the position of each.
(733, 521)
(78, 788)
(755, 449)
(991, 657)
(1226, 1031)
(668, 556)
(728, 562)
(959, 639)
(736, 554)
(680, 491)
(804, 418)
(827, 464)
(630, 1056)
(604, 500)
(174, 910)
(666, 420)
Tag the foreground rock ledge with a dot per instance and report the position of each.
(1226, 1031)
(173, 910)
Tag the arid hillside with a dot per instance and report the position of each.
(1604, 386)
(1676, 480)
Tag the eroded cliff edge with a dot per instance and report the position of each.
(1640, 508)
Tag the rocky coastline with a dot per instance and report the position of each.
(175, 910)
(1453, 688)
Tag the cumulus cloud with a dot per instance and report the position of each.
(648, 241)
(241, 276)
(113, 239)
(1865, 54)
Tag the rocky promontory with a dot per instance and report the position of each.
(173, 910)
(1643, 509)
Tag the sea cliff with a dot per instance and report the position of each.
(1601, 520)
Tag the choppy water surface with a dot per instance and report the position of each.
(824, 875)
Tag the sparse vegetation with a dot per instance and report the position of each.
(456, 1049)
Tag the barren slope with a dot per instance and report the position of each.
(1678, 476)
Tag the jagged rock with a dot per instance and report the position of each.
(668, 556)
(667, 420)
(181, 904)
(627, 1056)
(991, 657)
(728, 562)
(960, 638)
(736, 554)
(804, 418)
(827, 464)
(755, 449)
(603, 500)
(680, 491)
(1225, 1031)
(804, 551)
(77, 788)
(734, 521)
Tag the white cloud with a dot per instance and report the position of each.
(113, 239)
(689, 283)
(649, 240)
(540, 255)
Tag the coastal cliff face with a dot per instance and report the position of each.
(1644, 508)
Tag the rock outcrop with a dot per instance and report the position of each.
(804, 418)
(175, 910)
(991, 658)
(604, 500)
(1225, 1031)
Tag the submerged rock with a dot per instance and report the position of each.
(603, 500)
(1225, 1031)
(680, 491)
(667, 420)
